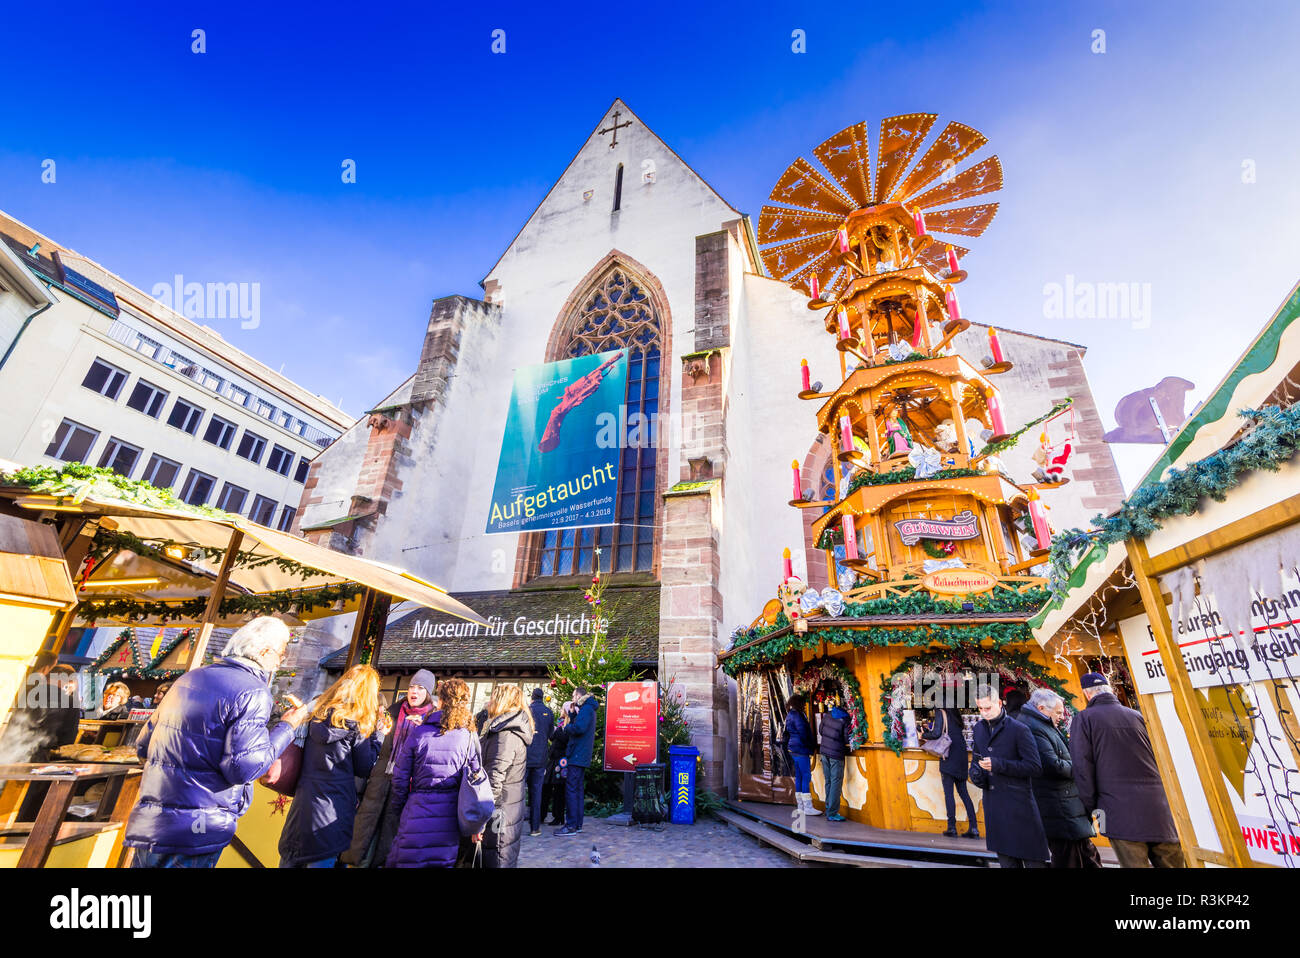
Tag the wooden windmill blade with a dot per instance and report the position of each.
(847, 156)
(935, 256)
(983, 177)
(955, 143)
(900, 138)
(801, 185)
(779, 225)
(796, 256)
(966, 220)
(821, 266)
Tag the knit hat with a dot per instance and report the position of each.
(426, 680)
(1092, 679)
(537, 694)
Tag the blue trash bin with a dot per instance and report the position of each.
(682, 761)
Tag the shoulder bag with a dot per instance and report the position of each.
(475, 803)
(939, 746)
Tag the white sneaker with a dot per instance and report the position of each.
(808, 808)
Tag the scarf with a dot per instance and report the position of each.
(403, 726)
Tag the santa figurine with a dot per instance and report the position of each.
(1051, 461)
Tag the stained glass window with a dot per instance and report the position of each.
(618, 314)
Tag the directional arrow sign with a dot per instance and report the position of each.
(631, 725)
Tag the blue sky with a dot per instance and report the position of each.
(1122, 167)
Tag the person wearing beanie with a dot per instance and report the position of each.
(1116, 774)
(538, 749)
(375, 826)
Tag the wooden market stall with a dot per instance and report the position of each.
(937, 554)
(136, 557)
(1196, 581)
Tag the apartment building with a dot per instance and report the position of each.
(96, 371)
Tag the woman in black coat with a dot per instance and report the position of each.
(554, 773)
(1005, 761)
(343, 741)
(953, 769)
(506, 732)
(1068, 828)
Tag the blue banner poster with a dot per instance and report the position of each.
(558, 468)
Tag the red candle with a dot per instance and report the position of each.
(814, 286)
(954, 310)
(918, 220)
(995, 345)
(850, 538)
(794, 465)
(916, 329)
(1041, 532)
(788, 566)
(846, 434)
(843, 237)
(952, 260)
(995, 414)
(803, 372)
(842, 315)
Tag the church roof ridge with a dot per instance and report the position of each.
(617, 102)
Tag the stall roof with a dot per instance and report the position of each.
(213, 529)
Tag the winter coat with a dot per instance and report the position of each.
(375, 824)
(1115, 770)
(559, 746)
(544, 722)
(505, 755)
(799, 735)
(202, 749)
(835, 733)
(1055, 793)
(1010, 813)
(319, 822)
(49, 722)
(426, 785)
(957, 761)
(582, 732)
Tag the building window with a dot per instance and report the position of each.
(105, 379)
(72, 442)
(239, 396)
(617, 314)
(220, 433)
(185, 416)
(300, 475)
(263, 408)
(287, 514)
(161, 472)
(618, 188)
(198, 487)
(251, 447)
(285, 419)
(232, 498)
(147, 398)
(263, 511)
(280, 461)
(120, 456)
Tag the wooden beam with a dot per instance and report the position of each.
(359, 627)
(382, 604)
(213, 610)
(1169, 775)
(1257, 524)
(1187, 705)
(40, 840)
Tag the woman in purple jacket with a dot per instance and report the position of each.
(426, 782)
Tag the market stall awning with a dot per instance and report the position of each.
(271, 561)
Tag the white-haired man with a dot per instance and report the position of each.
(203, 748)
(1115, 771)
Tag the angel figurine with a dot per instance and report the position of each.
(897, 435)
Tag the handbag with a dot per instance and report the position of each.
(475, 802)
(939, 746)
(282, 776)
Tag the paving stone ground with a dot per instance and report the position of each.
(706, 844)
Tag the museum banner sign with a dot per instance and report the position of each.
(556, 469)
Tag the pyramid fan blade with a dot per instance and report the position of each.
(778, 225)
(838, 281)
(955, 143)
(819, 265)
(794, 256)
(801, 185)
(935, 257)
(847, 156)
(900, 138)
(966, 220)
(983, 177)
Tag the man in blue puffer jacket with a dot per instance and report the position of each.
(582, 737)
(204, 747)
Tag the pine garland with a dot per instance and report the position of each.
(829, 669)
(77, 481)
(1002, 445)
(267, 603)
(908, 474)
(1272, 440)
(921, 602)
(108, 541)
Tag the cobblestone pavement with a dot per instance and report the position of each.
(706, 844)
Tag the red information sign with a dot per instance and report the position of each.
(631, 725)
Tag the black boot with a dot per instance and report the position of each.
(951, 832)
(972, 832)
